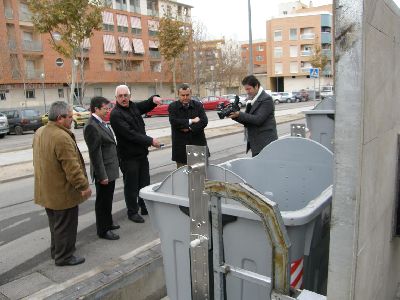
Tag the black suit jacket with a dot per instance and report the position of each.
(102, 151)
(179, 119)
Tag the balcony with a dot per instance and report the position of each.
(135, 9)
(307, 36)
(25, 16)
(33, 74)
(152, 12)
(120, 6)
(154, 54)
(305, 53)
(32, 46)
(305, 69)
(8, 12)
(326, 52)
(326, 38)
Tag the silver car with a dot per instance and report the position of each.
(4, 129)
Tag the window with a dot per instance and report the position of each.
(2, 95)
(108, 66)
(136, 25)
(259, 58)
(30, 94)
(108, 21)
(293, 34)
(278, 68)
(153, 27)
(293, 51)
(278, 35)
(278, 52)
(294, 67)
(60, 93)
(122, 23)
(98, 92)
(260, 48)
(108, 27)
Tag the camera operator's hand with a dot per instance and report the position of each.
(234, 115)
(156, 143)
(195, 120)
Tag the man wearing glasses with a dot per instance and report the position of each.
(133, 143)
(60, 181)
(103, 166)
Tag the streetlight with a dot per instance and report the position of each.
(212, 79)
(155, 83)
(76, 64)
(44, 94)
(250, 41)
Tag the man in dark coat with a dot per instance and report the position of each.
(258, 118)
(103, 165)
(188, 120)
(133, 143)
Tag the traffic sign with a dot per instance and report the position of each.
(314, 73)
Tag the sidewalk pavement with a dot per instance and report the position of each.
(112, 270)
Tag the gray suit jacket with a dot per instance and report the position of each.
(102, 151)
(260, 123)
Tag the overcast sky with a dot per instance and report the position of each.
(229, 18)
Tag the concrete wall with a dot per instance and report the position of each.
(364, 257)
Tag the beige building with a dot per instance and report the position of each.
(125, 51)
(291, 40)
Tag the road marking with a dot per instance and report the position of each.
(16, 224)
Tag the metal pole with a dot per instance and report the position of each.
(250, 42)
(212, 80)
(44, 94)
(315, 93)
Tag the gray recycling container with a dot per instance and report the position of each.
(294, 172)
(321, 122)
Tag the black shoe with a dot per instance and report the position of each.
(114, 227)
(143, 211)
(136, 218)
(73, 261)
(109, 235)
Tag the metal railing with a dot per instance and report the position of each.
(25, 16)
(305, 69)
(306, 53)
(307, 36)
(326, 52)
(12, 45)
(33, 74)
(35, 46)
(152, 12)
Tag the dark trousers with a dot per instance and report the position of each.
(63, 229)
(136, 174)
(103, 206)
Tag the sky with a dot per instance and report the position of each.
(229, 18)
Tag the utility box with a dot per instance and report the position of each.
(295, 173)
(321, 122)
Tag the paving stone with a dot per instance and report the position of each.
(25, 286)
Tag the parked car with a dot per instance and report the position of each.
(4, 129)
(162, 109)
(276, 97)
(301, 96)
(80, 116)
(287, 97)
(326, 91)
(231, 97)
(214, 102)
(22, 119)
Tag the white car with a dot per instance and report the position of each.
(231, 97)
(276, 97)
(4, 129)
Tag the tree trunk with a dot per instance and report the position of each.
(173, 75)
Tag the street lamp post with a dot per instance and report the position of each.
(250, 41)
(155, 84)
(42, 76)
(212, 79)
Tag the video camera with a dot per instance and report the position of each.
(225, 111)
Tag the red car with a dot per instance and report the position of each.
(213, 102)
(162, 109)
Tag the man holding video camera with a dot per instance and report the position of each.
(258, 118)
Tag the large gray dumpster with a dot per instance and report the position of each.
(321, 122)
(294, 172)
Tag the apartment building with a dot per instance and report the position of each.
(259, 59)
(124, 51)
(291, 40)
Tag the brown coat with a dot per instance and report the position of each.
(59, 169)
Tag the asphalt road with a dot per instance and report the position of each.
(14, 142)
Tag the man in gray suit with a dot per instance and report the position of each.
(103, 166)
(258, 118)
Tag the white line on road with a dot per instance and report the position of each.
(16, 224)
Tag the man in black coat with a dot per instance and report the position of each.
(103, 165)
(188, 120)
(133, 143)
(258, 118)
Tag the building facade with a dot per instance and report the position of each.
(125, 51)
(259, 59)
(292, 39)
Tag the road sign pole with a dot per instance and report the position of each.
(315, 94)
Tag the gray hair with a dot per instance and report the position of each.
(58, 108)
(121, 86)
